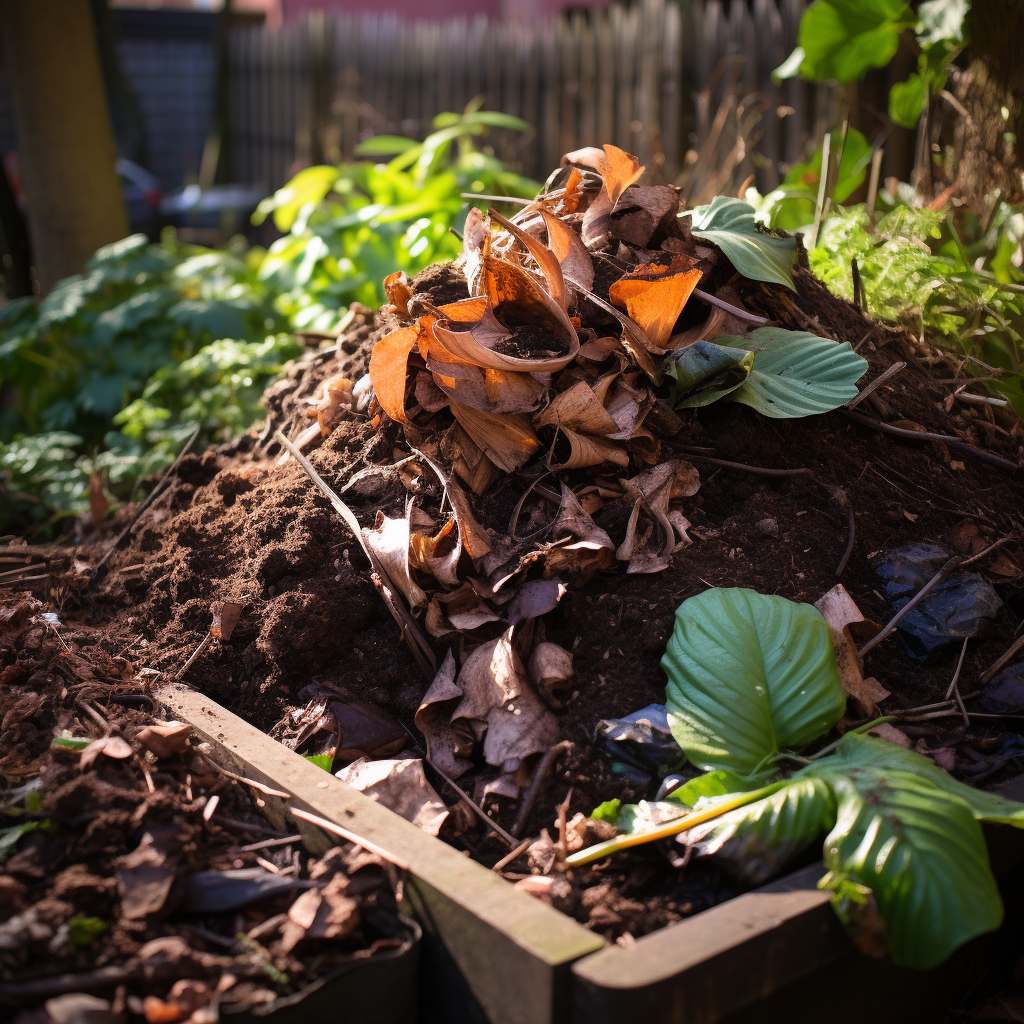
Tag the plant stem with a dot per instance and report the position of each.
(672, 828)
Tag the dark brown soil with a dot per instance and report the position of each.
(238, 524)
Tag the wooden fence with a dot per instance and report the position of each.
(681, 83)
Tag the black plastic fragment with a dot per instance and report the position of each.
(640, 745)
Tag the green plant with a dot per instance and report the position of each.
(841, 40)
(750, 675)
(176, 333)
(351, 226)
(782, 374)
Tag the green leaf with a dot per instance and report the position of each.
(792, 373)
(805, 177)
(749, 674)
(790, 67)
(325, 761)
(941, 21)
(496, 119)
(84, 931)
(69, 743)
(310, 185)
(856, 750)
(923, 856)
(607, 811)
(708, 786)
(759, 840)
(704, 373)
(385, 145)
(647, 815)
(843, 39)
(907, 99)
(729, 223)
(10, 837)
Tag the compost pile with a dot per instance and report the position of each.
(460, 539)
(137, 877)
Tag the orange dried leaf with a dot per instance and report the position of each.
(654, 296)
(399, 292)
(550, 265)
(571, 253)
(508, 441)
(389, 363)
(573, 192)
(578, 408)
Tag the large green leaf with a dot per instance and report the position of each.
(940, 21)
(923, 856)
(842, 39)
(907, 99)
(856, 750)
(707, 787)
(793, 374)
(729, 223)
(749, 674)
(760, 839)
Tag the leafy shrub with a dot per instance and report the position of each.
(349, 227)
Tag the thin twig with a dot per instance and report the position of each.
(758, 470)
(146, 502)
(267, 790)
(338, 830)
(508, 839)
(203, 644)
(954, 690)
(265, 844)
(923, 435)
(876, 384)
(740, 314)
(851, 533)
(513, 854)
(891, 625)
(561, 851)
(1003, 660)
(981, 554)
(537, 783)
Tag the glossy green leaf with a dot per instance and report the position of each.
(70, 743)
(729, 223)
(793, 373)
(843, 39)
(759, 840)
(923, 856)
(749, 674)
(607, 811)
(708, 786)
(308, 186)
(856, 750)
(705, 372)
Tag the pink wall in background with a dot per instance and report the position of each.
(439, 9)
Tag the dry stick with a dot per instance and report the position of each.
(1002, 661)
(851, 533)
(267, 843)
(759, 470)
(891, 625)
(415, 640)
(269, 791)
(952, 442)
(509, 840)
(513, 854)
(981, 554)
(740, 314)
(146, 502)
(338, 830)
(954, 690)
(876, 384)
(537, 783)
(203, 644)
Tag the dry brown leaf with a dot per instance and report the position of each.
(573, 191)
(462, 611)
(145, 876)
(165, 739)
(640, 210)
(634, 338)
(497, 696)
(618, 171)
(579, 409)
(111, 746)
(389, 542)
(651, 534)
(887, 731)
(325, 913)
(400, 785)
(397, 287)
(840, 611)
(551, 667)
(433, 719)
(508, 441)
(492, 391)
(547, 260)
(535, 598)
(437, 554)
(654, 296)
(572, 255)
(225, 618)
(337, 400)
(711, 328)
(584, 451)
(389, 368)
(430, 397)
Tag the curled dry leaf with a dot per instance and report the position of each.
(572, 255)
(651, 534)
(547, 260)
(841, 613)
(508, 441)
(634, 338)
(389, 367)
(164, 739)
(337, 399)
(398, 289)
(578, 408)
(462, 611)
(551, 667)
(389, 542)
(325, 913)
(499, 704)
(584, 451)
(618, 171)
(434, 717)
(641, 210)
(535, 598)
(654, 296)
(111, 746)
(486, 389)
(400, 785)
(225, 618)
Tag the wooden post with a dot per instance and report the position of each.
(65, 143)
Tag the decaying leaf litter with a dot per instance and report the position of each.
(136, 876)
(537, 510)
